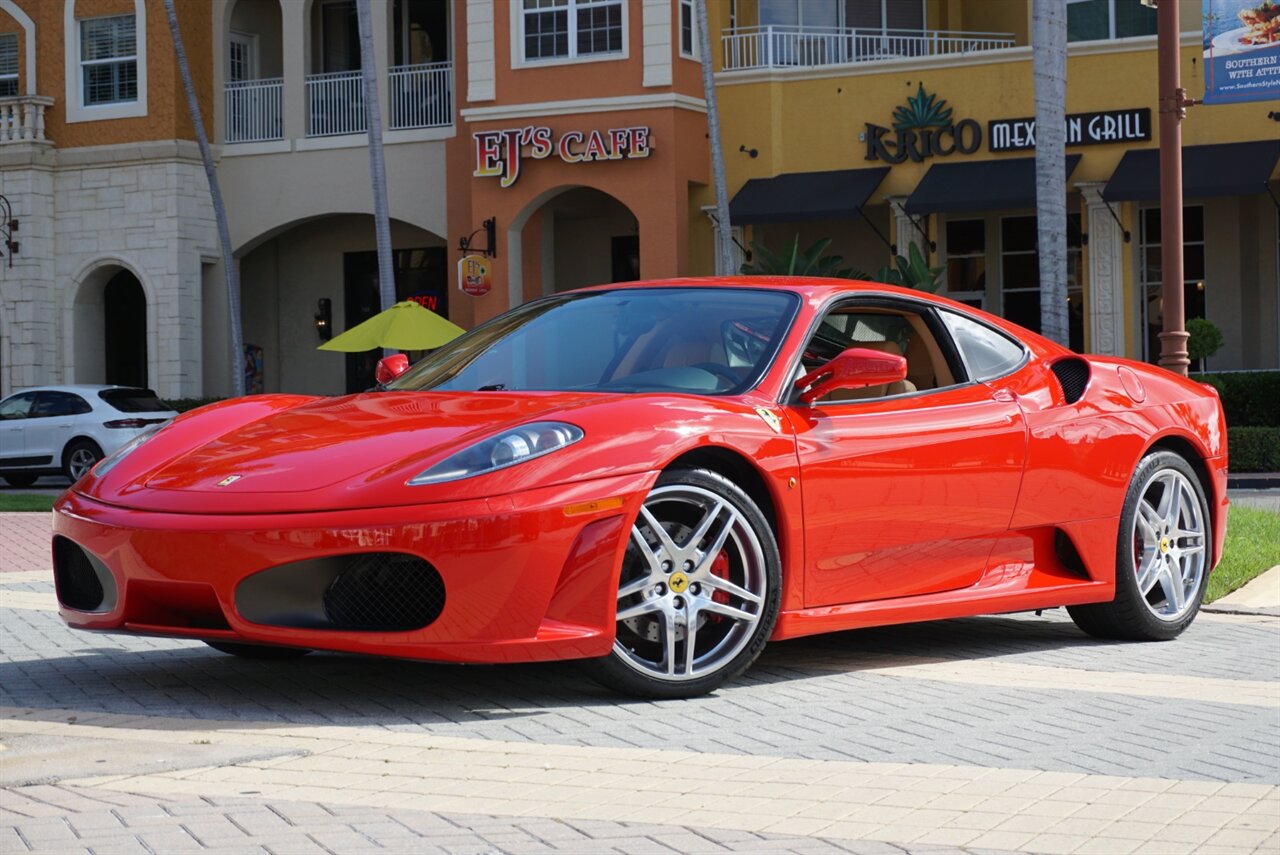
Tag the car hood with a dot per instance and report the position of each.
(295, 453)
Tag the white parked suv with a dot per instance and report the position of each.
(67, 429)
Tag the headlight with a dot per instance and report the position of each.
(108, 463)
(499, 452)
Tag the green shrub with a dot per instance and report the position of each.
(1205, 339)
(1253, 449)
(181, 405)
(1250, 399)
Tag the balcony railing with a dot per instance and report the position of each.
(775, 46)
(255, 110)
(22, 119)
(335, 104)
(421, 96)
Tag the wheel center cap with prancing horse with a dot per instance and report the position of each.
(678, 582)
(1164, 546)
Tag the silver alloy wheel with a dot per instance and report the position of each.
(80, 462)
(683, 611)
(1169, 544)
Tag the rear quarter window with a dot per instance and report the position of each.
(988, 354)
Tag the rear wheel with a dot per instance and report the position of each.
(1162, 558)
(698, 592)
(79, 457)
(257, 651)
(20, 480)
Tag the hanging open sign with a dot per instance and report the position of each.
(474, 275)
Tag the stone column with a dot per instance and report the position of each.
(1105, 301)
(904, 227)
(294, 58)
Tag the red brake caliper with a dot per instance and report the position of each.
(720, 569)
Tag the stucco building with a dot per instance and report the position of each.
(578, 129)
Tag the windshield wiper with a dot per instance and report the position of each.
(493, 387)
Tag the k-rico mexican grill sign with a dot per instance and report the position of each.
(922, 128)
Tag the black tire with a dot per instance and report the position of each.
(1131, 616)
(257, 651)
(20, 480)
(748, 570)
(76, 457)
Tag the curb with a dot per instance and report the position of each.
(1258, 611)
(1259, 481)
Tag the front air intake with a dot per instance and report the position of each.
(369, 591)
(387, 591)
(1073, 375)
(83, 583)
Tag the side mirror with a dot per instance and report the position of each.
(391, 367)
(855, 368)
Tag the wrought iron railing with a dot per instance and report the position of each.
(255, 110)
(775, 46)
(421, 96)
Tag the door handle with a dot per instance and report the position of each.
(1004, 396)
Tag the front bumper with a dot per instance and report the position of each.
(525, 579)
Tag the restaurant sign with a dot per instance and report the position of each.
(1109, 126)
(922, 128)
(474, 275)
(499, 153)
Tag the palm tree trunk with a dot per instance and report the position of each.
(724, 237)
(219, 207)
(1049, 43)
(377, 165)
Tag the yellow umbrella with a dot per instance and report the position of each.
(405, 326)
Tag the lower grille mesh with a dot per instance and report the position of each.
(384, 591)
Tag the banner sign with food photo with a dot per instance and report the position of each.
(1241, 50)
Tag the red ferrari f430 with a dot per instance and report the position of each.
(659, 478)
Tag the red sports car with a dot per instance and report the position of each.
(660, 477)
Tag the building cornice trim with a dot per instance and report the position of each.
(659, 101)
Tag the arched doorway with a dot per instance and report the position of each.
(111, 328)
(319, 276)
(580, 236)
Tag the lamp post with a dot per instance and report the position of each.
(1173, 109)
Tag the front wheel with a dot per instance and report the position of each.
(699, 589)
(1162, 558)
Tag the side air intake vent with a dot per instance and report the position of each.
(82, 581)
(1073, 374)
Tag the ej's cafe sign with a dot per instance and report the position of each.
(499, 153)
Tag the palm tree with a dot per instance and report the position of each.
(724, 241)
(1049, 41)
(377, 165)
(219, 207)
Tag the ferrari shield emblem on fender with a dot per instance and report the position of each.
(770, 418)
(230, 479)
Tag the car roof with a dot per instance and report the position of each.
(809, 287)
(80, 388)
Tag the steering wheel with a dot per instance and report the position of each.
(722, 371)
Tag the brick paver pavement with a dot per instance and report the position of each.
(24, 541)
(1009, 733)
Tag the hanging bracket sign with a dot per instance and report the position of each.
(474, 275)
(499, 153)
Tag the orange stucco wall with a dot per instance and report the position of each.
(167, 116)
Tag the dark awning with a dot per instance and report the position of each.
(799, 196)
(1225, 169)
(979, 185)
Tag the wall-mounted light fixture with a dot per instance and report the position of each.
(7, 228)
(324, 318)
(749, 152)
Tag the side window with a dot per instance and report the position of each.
(899, 331)
(59, 404)
(17, 407)
(988, 354)
(8, 65)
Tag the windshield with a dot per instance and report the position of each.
(700, 340)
